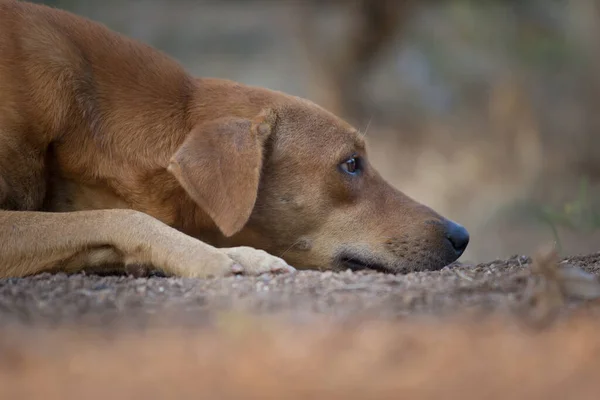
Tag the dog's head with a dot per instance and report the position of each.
(295, 180)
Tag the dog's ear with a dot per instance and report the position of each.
(219, 166)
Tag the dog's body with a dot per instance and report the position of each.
(111, 154)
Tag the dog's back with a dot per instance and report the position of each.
(68, 67)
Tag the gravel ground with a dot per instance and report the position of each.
(55, 300)
(464, 332)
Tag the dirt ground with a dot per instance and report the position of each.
(467, 331)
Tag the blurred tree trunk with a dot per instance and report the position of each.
(587, 16)
(339, 72)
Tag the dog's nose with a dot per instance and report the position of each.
(458, 236)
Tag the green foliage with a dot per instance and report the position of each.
(578, 214)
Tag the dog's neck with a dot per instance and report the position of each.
(214, 98)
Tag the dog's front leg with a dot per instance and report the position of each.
(33, 242)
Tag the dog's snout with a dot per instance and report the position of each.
(458, 236)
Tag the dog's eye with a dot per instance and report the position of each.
(352, 165)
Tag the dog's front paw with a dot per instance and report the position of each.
(250, 261)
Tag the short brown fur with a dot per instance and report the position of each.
(111, 154)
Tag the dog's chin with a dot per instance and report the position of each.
(361, 263)
(355, 264)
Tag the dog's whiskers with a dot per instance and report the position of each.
(289, 248)
(367, 127)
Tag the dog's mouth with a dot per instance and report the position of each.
(359, 264)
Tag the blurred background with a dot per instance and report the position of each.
(486, 110)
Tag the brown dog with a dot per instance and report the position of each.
(111, 154)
